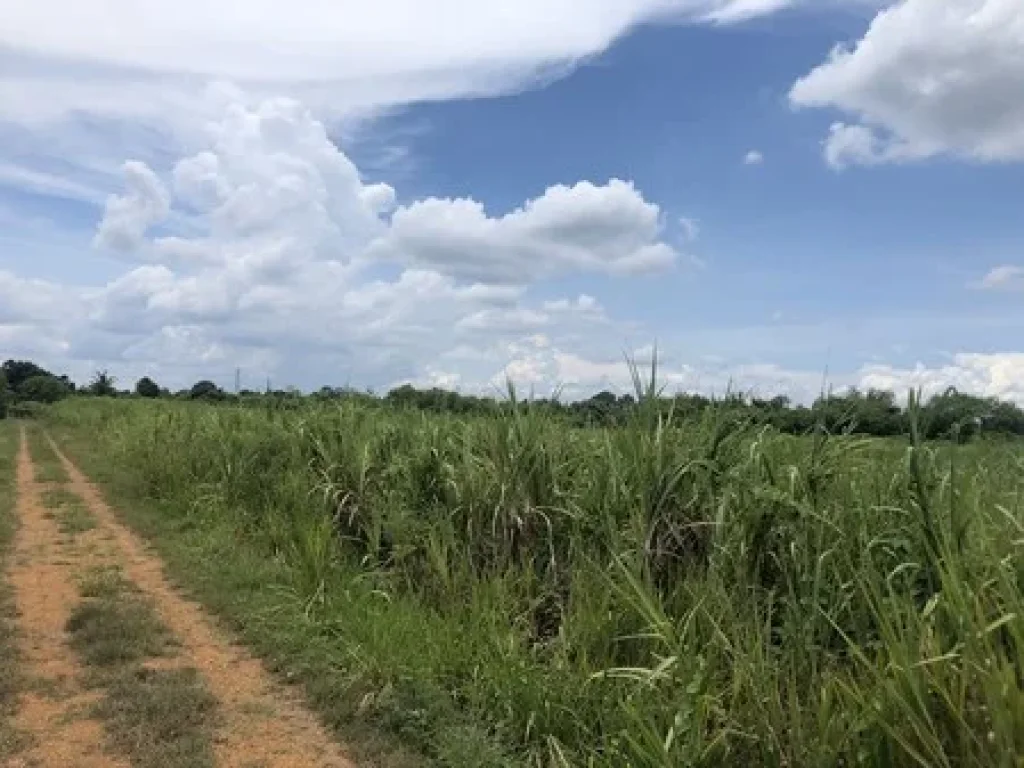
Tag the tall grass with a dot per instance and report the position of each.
(666, 593)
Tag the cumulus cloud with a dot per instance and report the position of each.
(855, 145)
(998, 375)
(127, 217)
(536, 363)
(608, 228)
(927, 78)
(273, 251)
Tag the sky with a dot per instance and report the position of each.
(778, 196)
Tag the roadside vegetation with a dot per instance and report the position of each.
(48, 467)
(69, 511)
(679, 588)
(11, 679)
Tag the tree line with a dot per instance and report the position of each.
(24, 385)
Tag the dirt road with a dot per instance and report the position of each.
(262, 724)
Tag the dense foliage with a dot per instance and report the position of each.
(684, 588)
(146, 387)
(950, 414)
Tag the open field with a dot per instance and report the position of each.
(510, 591)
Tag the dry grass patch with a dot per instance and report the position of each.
(70, 512)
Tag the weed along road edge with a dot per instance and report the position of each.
(256, 720)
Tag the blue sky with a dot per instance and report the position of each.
(320, 209)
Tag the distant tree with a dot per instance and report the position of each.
(102, 384)
(205, 390)
(332, 393)
(43, 389)
(956, 414)
(1003, 417)
(146, 387)
(18, 372)
(3, 394)
(404, 395)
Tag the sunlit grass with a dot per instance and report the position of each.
(700, 592)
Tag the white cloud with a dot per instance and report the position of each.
(518, 320)
(24, 301)
(309, 39)
(127, 217)
(586, 227)
(269, 254)
(753, 157)
(583, 304)
(143, 58)
(45, 183)
(1006, 277)
(998, 374)
(547, 368)
(273, 253)
(741, 10)
(928, 77)
(853, 145)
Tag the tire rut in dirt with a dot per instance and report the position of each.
(55, 710)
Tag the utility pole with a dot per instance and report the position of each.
(238, 380)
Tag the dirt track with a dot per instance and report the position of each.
(263, 724)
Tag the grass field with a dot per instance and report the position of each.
(11, 678)
(510, 591)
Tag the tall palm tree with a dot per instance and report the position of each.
(103, 384)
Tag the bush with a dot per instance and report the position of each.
(146, 387)
(205, 390)
(43, 389)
